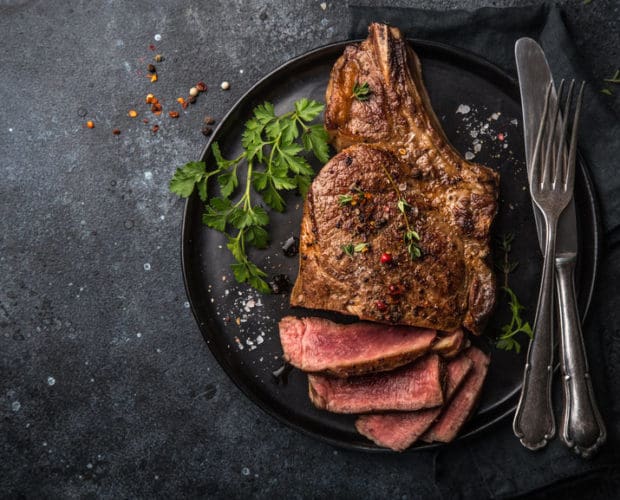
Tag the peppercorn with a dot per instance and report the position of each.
(209, 120)
(180, 100)
(207, 131)
(155, 128)
(193, 92)
(225, 85)
(132, 113)
(116, 131)
(159, 58)
(201, 86)
(192, 99)
(150, 98)
(382, 306)
(90, 124)
(280, 284)
(153, 77)
(386, 258)
(156, 107)
(151, 68)
(173, 114)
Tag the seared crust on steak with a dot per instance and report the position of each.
(394, 144)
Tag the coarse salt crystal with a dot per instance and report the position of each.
(469, 155)
(463, 109)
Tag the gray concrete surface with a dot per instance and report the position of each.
(107, 388)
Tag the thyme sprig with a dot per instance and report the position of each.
(352, 248)
(410, 237)
(362, 92)
(614, 79)
(507, 340)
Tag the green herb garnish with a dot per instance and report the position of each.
(362, 92)
(345, 199)
(273, 155)
(410, 237)
(614, 79)
(352, 248)
(353, 199)
(507, 340)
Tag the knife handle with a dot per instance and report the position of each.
(534, 423)
(582, 426)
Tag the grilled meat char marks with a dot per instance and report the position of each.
(452, 202)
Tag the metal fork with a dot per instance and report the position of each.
(551, 187)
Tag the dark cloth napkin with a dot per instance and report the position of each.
(495, 464)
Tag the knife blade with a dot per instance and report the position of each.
(534, 77)
(582, 427)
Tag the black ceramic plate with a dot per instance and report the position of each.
(480, 110)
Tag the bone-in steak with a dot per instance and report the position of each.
(416, 386)
(398, 176)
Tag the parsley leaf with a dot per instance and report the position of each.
(273, 154)
(274, 163)
(187, 177)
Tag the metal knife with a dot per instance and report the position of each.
(581, 427)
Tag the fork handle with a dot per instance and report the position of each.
(534, 422)
(582, 426)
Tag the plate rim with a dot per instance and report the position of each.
(500, 413)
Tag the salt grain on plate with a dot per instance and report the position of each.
(463, 109)
(469, 155)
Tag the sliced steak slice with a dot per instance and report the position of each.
(462, 405)
(448, 345)
(413, 387)
(398, 179)
(398, 431)
(320, 345)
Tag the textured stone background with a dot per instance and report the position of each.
(106, 386)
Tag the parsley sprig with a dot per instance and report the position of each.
(273, 155)
(507, 340)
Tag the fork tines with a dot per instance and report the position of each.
(550, 163)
